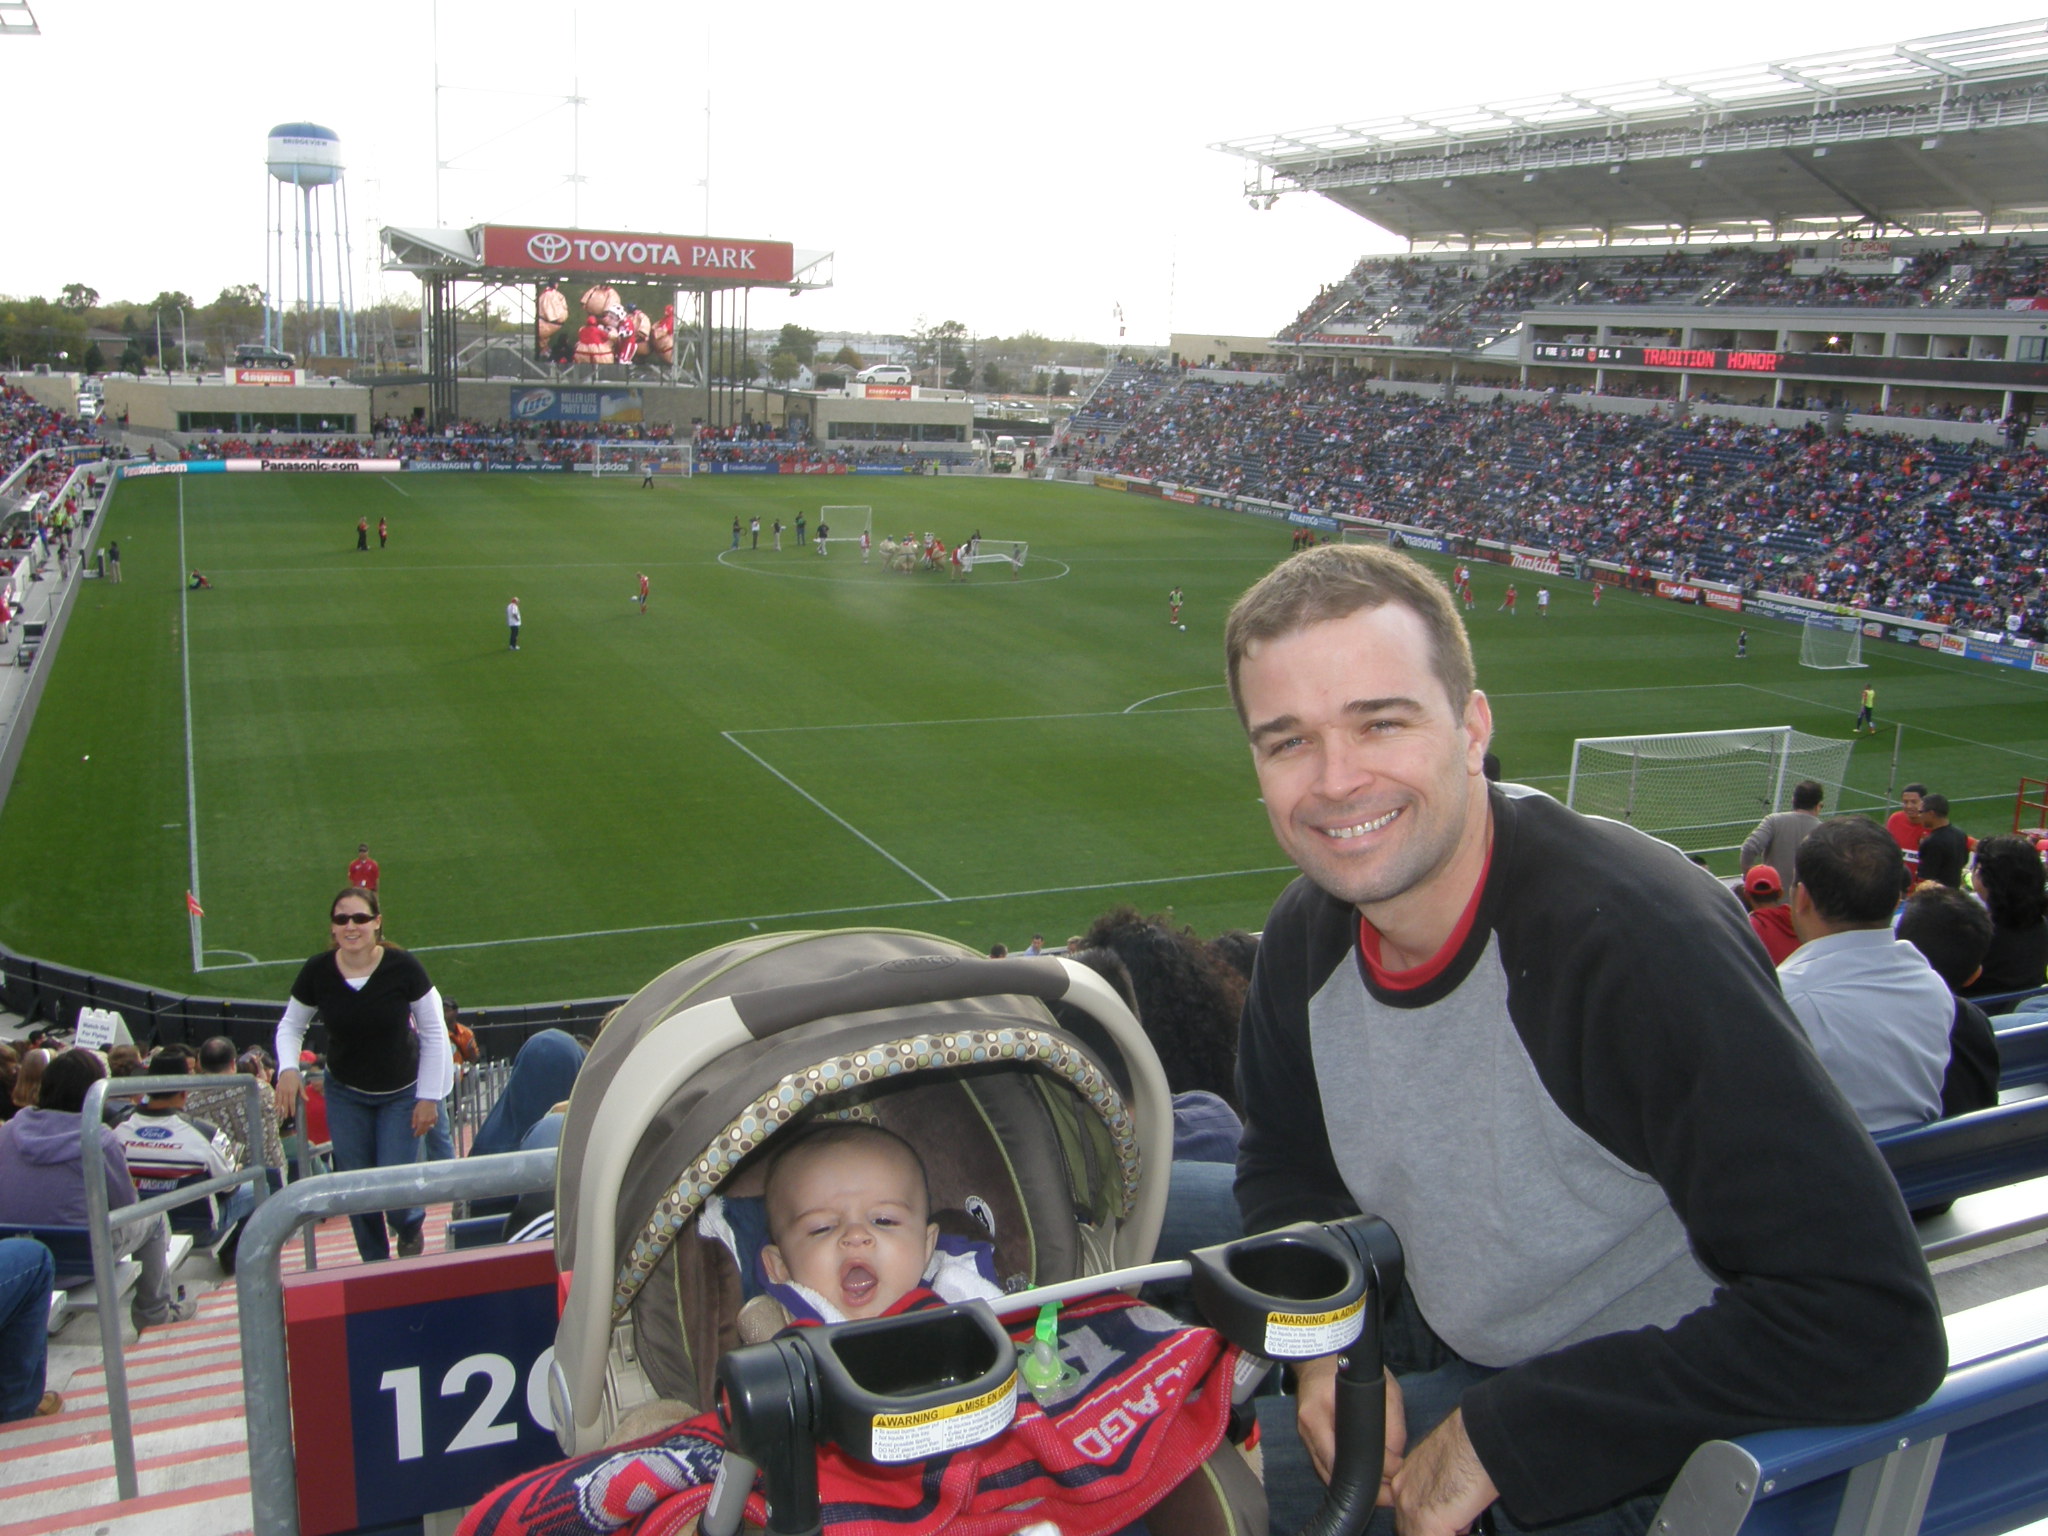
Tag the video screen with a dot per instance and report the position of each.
(617, 324)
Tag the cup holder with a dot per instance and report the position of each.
(1293, 1294)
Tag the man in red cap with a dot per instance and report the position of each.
(1764, 894)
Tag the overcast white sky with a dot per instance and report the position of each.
(1012, 169)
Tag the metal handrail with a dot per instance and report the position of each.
(259, 1287)
(102, 1222)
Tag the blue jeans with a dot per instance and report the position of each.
(374, 1130)
(441, 1139)
(26, 1277)
(1200, 1209)
(1293, 1491)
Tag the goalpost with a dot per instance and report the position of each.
(1010, 552)
(630, 457)
(1831, 642)
(847, 523)
(1702, 790)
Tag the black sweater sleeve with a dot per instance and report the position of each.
(1285, 1171)
(1657, 1026)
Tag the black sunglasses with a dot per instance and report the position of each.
(343, 919)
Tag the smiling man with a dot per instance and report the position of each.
(1550, 1052)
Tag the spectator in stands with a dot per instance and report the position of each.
(1770, 915)
(1875, 1011)
(1904, 823)
(1667, 1280)
(28, 1080)
(227, 1107)
(168, 1149)
(1954, 933)
(10, 1071)
(2008, 878)
(1777, 837)
(27, 1276)
(1187, 1002)
(42, 1183)
(1944, 849)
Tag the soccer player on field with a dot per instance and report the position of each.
(1543, 602)
(864, 546)
(643, 591)
(824, 533)
(646, 473)
(1598, 588)
(1741, 644)
(1173, 606)
(959, 560)
(1866, 716)
(1507, 603)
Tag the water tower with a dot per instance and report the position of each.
(304, 161)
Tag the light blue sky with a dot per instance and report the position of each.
(1009, 168)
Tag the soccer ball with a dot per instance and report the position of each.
(1183, 629)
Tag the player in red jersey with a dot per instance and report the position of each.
(363, 872)
(1507, 604)
(1598, 588)
(643, 591)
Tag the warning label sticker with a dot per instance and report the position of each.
(1301, 1335)
(952, 1427)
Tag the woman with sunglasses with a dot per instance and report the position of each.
(388, 1065)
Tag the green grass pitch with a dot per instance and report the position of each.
(780, 741)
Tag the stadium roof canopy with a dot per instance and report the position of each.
(1940, 135)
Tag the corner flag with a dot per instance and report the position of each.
(192, 905)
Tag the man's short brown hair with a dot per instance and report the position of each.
(1334, 581)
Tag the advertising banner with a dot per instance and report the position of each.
(879, 469)
(137, 471)
(1953, 645)
(1728, 602)
(1402, 538)
(618, 253)
(264, 376)
(887, 391)
(2040, 661)
(1546, 564)
(737, 469)
(311, 466)
(1142, 488)
(1189, 497)
(619, 405)
(1678, 591)
(2002, 655)
(1314, 520)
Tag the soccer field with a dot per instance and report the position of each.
(780, 741)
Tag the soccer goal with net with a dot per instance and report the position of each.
(847, 523)
(1009, 552)
(1831, 642)
(1702, 790)
(640, 458)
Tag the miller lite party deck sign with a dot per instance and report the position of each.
(619, 254)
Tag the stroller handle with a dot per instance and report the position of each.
(906, 983)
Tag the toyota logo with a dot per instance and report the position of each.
(547, 247)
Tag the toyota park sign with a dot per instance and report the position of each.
(615, 253)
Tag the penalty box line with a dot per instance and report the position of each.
(835, 816)
(758, 918)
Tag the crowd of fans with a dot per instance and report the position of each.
(1949, 532)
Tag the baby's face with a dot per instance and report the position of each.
(849, 1222)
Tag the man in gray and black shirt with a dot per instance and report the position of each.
(1637, 1214)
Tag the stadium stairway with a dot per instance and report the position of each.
(185, 1396)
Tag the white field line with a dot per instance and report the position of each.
(191, 777)
(392, 481)
(1988, 746)
(849, 826)
(815, 912)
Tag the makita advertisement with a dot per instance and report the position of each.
(620, 405)
(617, 253)
(1546, 564)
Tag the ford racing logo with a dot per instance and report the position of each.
(547, 247)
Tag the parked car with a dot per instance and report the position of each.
(250, 355)
(883, 373)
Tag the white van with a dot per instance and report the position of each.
(883, 373)
(88, 407)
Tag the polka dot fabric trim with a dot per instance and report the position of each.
(760, 1120)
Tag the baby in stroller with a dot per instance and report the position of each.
(813, 1205)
